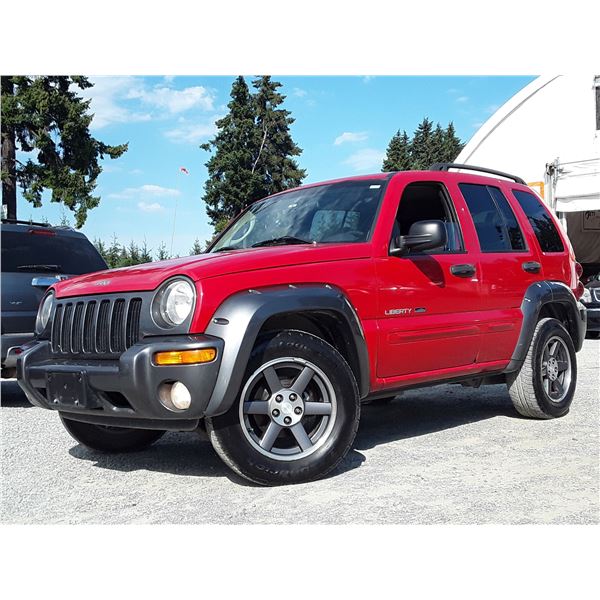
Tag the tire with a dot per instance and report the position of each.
(533, 388)
(322, 417)
(110, 439)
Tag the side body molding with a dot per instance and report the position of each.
(239, 319)
(537, 295)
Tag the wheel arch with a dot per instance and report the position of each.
(320, 309)
(548, 299)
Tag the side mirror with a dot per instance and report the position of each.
(423, 235)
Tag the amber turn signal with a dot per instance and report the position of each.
(185, 357)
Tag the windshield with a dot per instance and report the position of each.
(24, 251)
(336, 212)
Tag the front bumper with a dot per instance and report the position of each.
(122, 392)
(593, 317)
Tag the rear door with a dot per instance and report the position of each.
(509, 264)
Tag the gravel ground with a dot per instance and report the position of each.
(442, 455)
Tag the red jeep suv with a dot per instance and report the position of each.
(311, 302)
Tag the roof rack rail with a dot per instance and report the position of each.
(448, 166)
(20, 222)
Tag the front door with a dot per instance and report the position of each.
(429, 302)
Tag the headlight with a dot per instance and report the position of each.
(174, 303)
(44, 313)
(587, 295)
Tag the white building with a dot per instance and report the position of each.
(549, 134)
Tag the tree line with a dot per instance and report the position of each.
(253, 154)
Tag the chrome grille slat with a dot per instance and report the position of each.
(102, 328)
(596, 294)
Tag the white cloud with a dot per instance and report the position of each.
(462, 99)
(492, 108)
(117, 100)
(368, 78)
(151, 207)
(172, 100)
(367, 159)
(146, 191)
(106, 97)
(191, 132)
(299, 92)
(136, 172)
(350, 136)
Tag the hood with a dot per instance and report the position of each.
(149, 276)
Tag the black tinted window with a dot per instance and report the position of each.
(495, 223)
(71, 255)
(541, 222)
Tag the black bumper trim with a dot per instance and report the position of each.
(125, 388)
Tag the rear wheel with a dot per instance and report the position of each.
(106, 438)
(544, 386)
(296, 416)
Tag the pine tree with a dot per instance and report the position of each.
(45, 116)
(452, 145)
(145, 254)
(274, 163)
(162, 253)
(113, 253)
(196, 248)
(422, 150)
(99, 244)
(229, 186)
(438, 141)
(253, 152)
(133, 255)
(397, 157)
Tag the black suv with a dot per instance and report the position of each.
(35, 256)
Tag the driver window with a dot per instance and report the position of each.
(426, 201)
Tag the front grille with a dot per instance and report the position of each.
(596, 294)
(95, 327)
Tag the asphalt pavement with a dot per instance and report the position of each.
(440, 455)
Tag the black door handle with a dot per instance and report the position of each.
(463, 270)
(532, 267)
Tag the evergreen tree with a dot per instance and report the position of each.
(45, 116)
(113, 253)
(133, 254)
(274, 163)
(145, 254)
(162, 253)
(253, 152)
(398, 157)
(422, 149)
(99, 244)
(452, 145)
(196, 248)
(229, 186)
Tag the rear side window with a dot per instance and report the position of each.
(495, 222)
(25, 251)
(541, 222)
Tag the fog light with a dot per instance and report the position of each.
(185, 357)
(180, 396)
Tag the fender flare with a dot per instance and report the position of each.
(536, 296)
(240, 317)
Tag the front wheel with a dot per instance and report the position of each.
(110, 439)
(296, 416)
(544, 386)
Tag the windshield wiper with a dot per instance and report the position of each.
(283, 240)
(225, 248)
(54, 268)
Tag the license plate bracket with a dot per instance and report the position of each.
(67, 389)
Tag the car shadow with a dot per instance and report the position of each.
(425, 411)
(416, 413)
(12, 395)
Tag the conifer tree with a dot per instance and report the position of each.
(422, 150)
(452, 145)
(162, 253)
(397, 157)
(145, 254)
(230, 183)
(45, 118)
(196, 248)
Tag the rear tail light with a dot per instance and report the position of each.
(579, 290)
(42, 232)
(578, 270)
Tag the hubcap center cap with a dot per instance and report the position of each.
(552, 369)
(286, 408)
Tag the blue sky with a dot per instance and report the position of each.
(343, 125)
